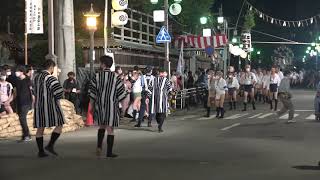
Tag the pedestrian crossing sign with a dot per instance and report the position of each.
(163, 36)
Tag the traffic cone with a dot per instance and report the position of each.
(89, 121)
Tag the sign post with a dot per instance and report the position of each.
(33, 22)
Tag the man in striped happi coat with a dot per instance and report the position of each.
(106, 91)
(159, 91)
(47, 111)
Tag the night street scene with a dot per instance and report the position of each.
(160, 89)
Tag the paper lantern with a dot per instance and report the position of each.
(119, 5)
(175, 9)
(119, 18)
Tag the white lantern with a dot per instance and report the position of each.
(175, 9)
(206, 32)
(158, 16)
(119, 18)
(119, 5)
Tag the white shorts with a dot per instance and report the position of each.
(218, 95)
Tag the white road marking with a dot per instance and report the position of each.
(206, 118)
(266, 115)
(235, 116)
(311, 117)
(304, 110)
(184, 118)
(286, 116)
(229, 127)
(255, 116)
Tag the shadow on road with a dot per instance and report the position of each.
(313, 168)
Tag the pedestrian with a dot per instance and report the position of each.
(265, 84)
(24, 99)
(285, 97)
(47, 110)
(249, 79)
(6, 93)
(146, 80)
(221, 88)
(273, 87)
(72, 91)
(233, 86)
(137, 94)
(159, 91)
(106, 92)
(258, 86)
(211, 92)
(125, 103)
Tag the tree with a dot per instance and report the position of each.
(249, 21)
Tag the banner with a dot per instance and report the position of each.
(34, 17)
(180, 66)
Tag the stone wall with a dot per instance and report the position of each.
(10, 125)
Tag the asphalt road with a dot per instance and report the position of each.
(245, 145)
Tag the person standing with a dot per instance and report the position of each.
(6, 93)
(273, 88)
(71, 90)
(137, 94)
(158, 93)
(24, 100)
(47, 110)
(106, 91)
(211, 92)
(221, 88)
(249, 79)
(285, 97)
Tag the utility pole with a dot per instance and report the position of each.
(51, 54)
(167, 50)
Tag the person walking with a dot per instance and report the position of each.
(6, 94)
(159, 90)
(249, 79)
(24, 99)
(273, 87)
(233, 85)
(285, 97)
(47, 109)
(106, 91)
(145, 101)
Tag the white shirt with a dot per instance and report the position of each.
(275, 79)
(221, 86)
(249, 78)
(137, 88)
(234, 83)
(280, 75)
(259, 78)
(265, 80)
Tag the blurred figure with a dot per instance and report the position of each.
(126, 102)
(273, 88)
(71, 90)
(6, 94)
(221, 88)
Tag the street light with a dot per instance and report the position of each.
(220, 19)
(234, 40)
(91, 19)
(309, 48)
(313, 44)
(259, 52)
(203, 20)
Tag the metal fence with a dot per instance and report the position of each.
(188, 97)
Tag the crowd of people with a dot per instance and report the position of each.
(146, 93)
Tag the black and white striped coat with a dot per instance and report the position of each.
(159, 90)
(47, 109)
(106, 91)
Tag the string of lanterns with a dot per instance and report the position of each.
(285, 23)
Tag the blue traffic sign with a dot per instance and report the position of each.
(163, 36)
(209, 50)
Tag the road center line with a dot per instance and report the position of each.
(229, 127)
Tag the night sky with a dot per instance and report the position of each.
(282, 9)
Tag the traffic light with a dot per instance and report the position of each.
(246, 41)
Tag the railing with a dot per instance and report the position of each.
(184, 96)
